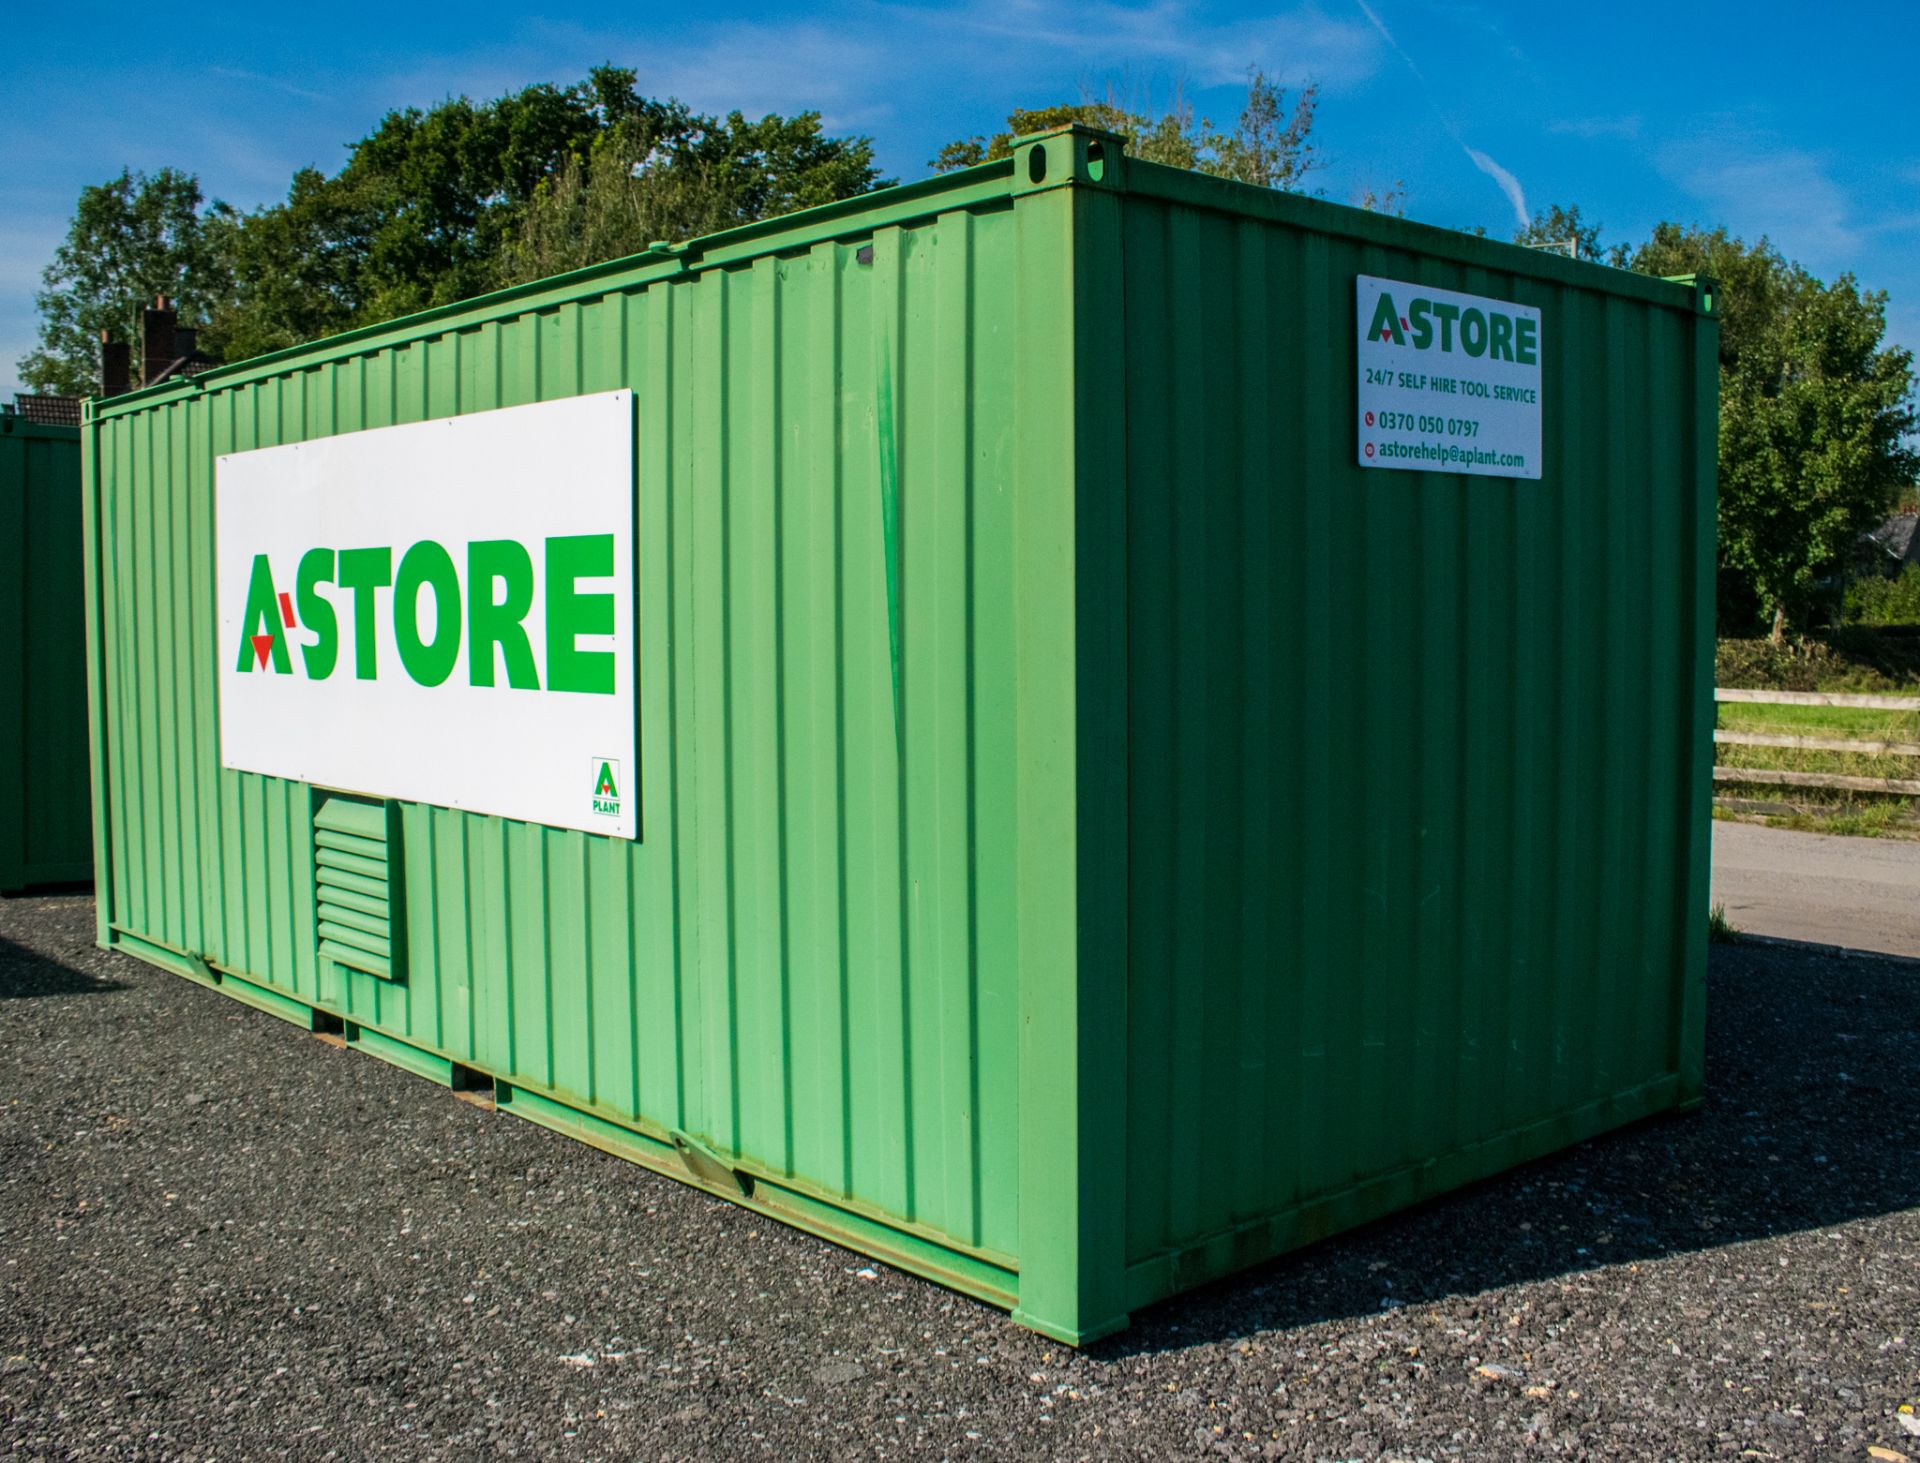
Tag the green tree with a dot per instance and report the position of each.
(1814, 410)
(661, 172)
(1270, 145)
(439, 205)
(294, 269)
(1390, 200)
(1563, 229)
(416, 217)
(132, 239)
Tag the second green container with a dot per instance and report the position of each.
(45, 803)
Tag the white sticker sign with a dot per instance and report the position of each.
(440, 612)
(1448, 382)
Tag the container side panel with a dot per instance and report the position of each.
(43, 691)
(806, 960)
(58, 839)
(1409, 751)
(13, 653)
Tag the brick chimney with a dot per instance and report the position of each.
(116, 365)
(156, 341)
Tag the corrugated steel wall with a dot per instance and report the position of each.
(1412, 827)
(45, 828)
(808, 958)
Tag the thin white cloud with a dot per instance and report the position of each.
(1591, 129)
(1303, 43)
(231, 73)
(847, 67)
(1508, 184)
(1748, 180)
(1381, 26)
(1473, 17)
(751, 66)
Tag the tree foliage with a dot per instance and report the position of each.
(437, 206)
(417, 217)
(132, 239)
(1391, 200)
(1877, 600)
(432, 206)
(1270, 145)
(1563, 228)
(661, 172)
(1814, 408)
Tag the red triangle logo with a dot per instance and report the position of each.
(261, 645)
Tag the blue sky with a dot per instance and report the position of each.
(1770, 118)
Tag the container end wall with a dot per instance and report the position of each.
(1418, 759)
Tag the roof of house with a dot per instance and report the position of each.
(194, 365)
(49, 411)
(1899, 536)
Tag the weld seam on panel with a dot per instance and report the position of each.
(822, 1215)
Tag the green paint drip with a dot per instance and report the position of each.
(889, 509)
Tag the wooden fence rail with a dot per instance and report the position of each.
(1909, 787)
(1818, 744)
(1818, 698)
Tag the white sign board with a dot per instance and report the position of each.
(440, 612)
(1448, 382)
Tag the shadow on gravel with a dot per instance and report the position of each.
(1812, 1117)
(27, 973)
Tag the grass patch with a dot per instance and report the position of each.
(1858, 722)
(1890, 819)
(1720, 930)
(1840, 723)
(1821, 810)
(1821, 666)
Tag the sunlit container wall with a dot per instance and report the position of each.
(1095, 834)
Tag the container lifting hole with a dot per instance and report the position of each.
(1037, 164)
(329, 1028)
(1096, 160)
(472, 1086)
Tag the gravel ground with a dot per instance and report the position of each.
(221, 1239)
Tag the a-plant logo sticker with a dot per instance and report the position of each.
(441, 612)
(606, 787)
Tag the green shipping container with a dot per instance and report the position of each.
(45, 814)
(1108, 813)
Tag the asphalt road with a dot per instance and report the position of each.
(221, 1239)
(1863, 893)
